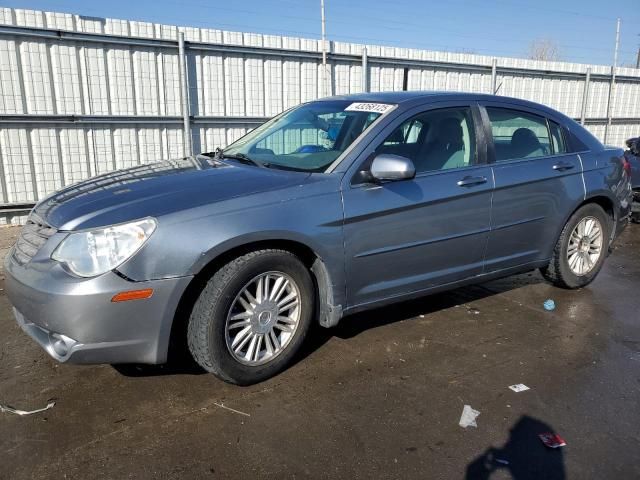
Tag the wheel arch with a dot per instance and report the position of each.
(328, 313)
(601, 199)
(607, 204)
(604, 201)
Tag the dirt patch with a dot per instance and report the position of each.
(8, 236)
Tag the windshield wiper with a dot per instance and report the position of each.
(241, 157)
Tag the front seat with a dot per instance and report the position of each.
(525, 143)
(447, 150)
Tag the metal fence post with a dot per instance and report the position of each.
(494, 75)
(365, 70)
(585, 96)
(610, 100)
(188, 147)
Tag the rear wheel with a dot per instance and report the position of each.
(252, 316)
(581, 249)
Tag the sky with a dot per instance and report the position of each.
(584, 30)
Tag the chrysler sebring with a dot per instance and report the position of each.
(333, 207)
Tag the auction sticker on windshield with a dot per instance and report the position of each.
(369, 107)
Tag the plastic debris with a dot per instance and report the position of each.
(222, 405)
(473, 311)
(549, 305)
(520, 387)
(552, 440)
(468, 417)
(7, 408)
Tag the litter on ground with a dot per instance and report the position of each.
(468, 417)
(221, 405)
(549, 305)
(7, 408)
(520, 387)
(552, 440)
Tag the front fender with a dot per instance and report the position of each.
(263, 236)
(186, 242)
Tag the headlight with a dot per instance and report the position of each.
(92, 253)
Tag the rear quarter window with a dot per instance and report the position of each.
(557, 138)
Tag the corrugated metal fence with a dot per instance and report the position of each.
(81, 96)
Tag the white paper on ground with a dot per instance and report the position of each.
(468, 417)
(520, 387)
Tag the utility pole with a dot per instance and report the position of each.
(612, 87)
(615, 52)
(324, 50)
(184, 84)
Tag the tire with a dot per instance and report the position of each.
(211, 341)
(559, 271)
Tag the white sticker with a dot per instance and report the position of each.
(369, 107)
(520, 387)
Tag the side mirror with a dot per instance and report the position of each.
(392, 167)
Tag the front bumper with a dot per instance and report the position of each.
(74, 320)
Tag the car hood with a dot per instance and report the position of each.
(157, 189)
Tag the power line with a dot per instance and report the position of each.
(371, 40)
(483, 4)
(403, 26)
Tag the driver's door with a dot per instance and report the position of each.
(411, 235)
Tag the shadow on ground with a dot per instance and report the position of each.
(180, 361)
(524, 456)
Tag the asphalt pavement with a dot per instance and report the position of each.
(380, 396)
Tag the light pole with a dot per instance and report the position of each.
(324, 50)
(612, 87)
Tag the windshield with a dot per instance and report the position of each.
(309, 137)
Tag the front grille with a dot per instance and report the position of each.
(33, 236)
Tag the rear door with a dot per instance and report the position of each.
(537, 183)
(410, 235)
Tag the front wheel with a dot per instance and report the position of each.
(581, 249)
(252, 316)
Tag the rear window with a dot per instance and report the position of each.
(518, 134)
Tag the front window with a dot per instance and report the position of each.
(307, 138)
(435, 140)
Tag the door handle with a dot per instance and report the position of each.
(471, 181)
(562, 166)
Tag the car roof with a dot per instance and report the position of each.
(408, 99)
(405, 97)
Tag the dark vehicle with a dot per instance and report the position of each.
(333, 207)
(632, 154)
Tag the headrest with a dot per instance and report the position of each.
(524, 136)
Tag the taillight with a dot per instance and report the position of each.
(626, 165)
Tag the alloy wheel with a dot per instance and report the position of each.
(585, 246)
(263, 318)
